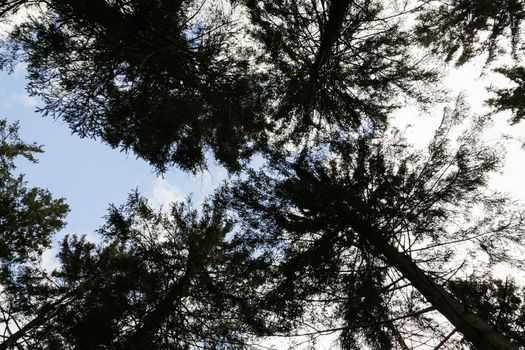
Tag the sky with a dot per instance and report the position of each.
(471, 81)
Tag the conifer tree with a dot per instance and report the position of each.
(172, 80)
(28, 219)
(381, 234)
(158, 280)
(347, 220)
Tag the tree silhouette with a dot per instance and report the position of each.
(171, 80)
(28, 219)
(372, 225)
(156, 77)
(457, 29)
(347, 220)
(157, 280)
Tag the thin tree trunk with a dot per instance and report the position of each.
(46, 313)
(399, 338)
(445, 340)
(474, 329)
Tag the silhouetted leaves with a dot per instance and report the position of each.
(512, 98)
(348, 229)
(499, 302)
(157, 78)
(173, 80)
(464, 29)
(335, 65)
(329, 218)
(28, 216)
(28, 219)
(163, 280)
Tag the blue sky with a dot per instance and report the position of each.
(87, 173)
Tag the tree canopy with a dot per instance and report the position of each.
(383, 221)
(161, 280)
(171, 80)
(28, 219)
(347, 229)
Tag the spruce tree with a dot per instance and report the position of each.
(158, 280)
(175, 80)
(380, 234)
(29, 217)
(348, 220)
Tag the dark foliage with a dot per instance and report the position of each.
(350, 230)
(28, 216)
(28, 219)
(464, 29)
(513, 98)
(157, 281)
(334, 65)
(155, 77)
(172, 80)
(336, 221)
(502, 303)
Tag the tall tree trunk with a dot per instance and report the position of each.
(474, 329)
(399, 338)
(329, 34)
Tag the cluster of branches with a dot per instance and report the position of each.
(347, 228)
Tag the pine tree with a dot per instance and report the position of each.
(353, 223)
(171, 80)
(158, 280)
(381, 233)
(155, 77)
(464, 29)
(28, 219)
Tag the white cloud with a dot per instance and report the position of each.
(164, 193)
(25, 100)
(510, 180)
(49, 259)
